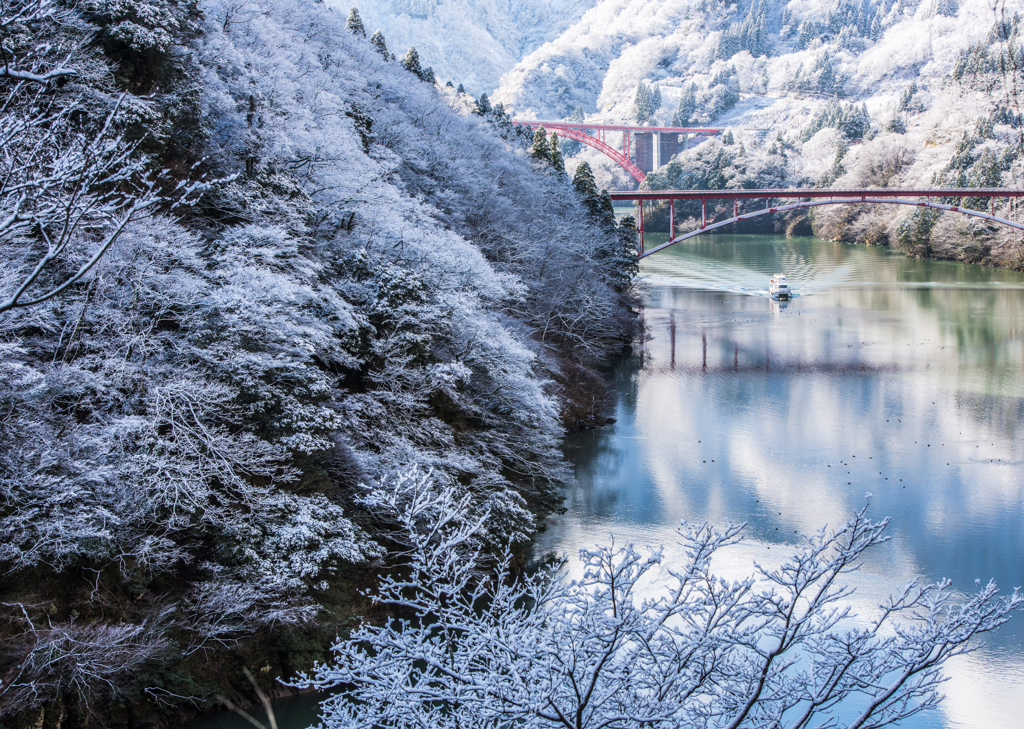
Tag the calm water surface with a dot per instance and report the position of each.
(888, 375)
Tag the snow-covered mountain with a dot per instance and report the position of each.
(471, 43)
(778, 53)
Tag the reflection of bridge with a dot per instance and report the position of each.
(644, 149)
(808, 198)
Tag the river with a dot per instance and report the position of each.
(899, 377)
(888, 375)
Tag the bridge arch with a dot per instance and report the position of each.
(578, 133)
(593, 135)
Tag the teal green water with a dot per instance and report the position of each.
(888, 375)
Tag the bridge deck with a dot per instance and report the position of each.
(807, 198)
(616, 127)
(852, 194)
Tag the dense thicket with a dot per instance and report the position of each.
(373, 278)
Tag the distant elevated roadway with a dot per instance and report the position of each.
(809, 198)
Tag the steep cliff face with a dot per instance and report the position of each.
(470, 43)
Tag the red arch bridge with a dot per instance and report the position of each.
(643, 149)
(808, 198)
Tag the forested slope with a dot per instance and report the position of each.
(363, 277)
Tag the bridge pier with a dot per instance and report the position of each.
(672, 219)
(641, 226)
(703, 212)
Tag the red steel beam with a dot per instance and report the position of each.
(840, 201)
(622, 160)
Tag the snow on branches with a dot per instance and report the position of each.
(70, 180)
(618, 649)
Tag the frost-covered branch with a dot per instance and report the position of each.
(47, 661)
(68, 189)
(610, 650)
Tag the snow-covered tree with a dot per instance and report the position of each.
(377, 39)
(483, 105)
(411, 62)
(354, 23)
(779, 648)
(557, 162)
(541, 149)
(687, 106)
(647, 101)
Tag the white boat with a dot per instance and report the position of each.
(777, 287)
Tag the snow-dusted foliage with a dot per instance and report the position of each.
(197, 401)
(639, 643)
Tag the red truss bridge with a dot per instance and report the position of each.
(808, 198)
(643, 149)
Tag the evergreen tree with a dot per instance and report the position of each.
(583, 181)
(483, 106)
(896, 124)
(727, 138)
(541, 149)
(876, 28)
(355, 23)
(598, 203)
(461, 89)
(557, 160)
(753, 34)
(806, 35)
(640, 100)
(621, 252)
(787, 22)
(501, 121)
(687, 107)
(411, 62)
(377, 39)
(606, 210)
(647, 101)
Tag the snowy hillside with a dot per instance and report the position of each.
(470, 43)
(784, 54)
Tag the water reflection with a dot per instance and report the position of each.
(885, 375)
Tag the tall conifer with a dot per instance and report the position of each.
(557, 161)
(583, 181)
(377, 39)
(355, 23)
(541, 148)
(411, 62)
